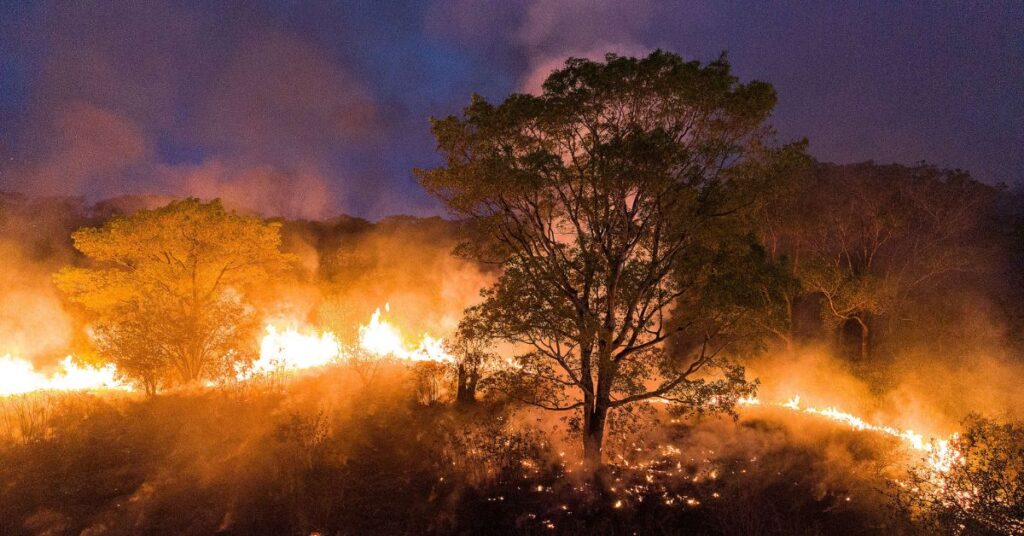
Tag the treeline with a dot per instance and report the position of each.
(339, 270)
(888, 258)
(882, 258)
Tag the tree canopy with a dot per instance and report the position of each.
(617, 204)
(167, 288)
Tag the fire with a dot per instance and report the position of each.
(292, 350)
(381, 338)
(940, 454)
(19, 376)
(281, 350)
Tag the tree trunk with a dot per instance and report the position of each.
(593, 433)
(788, 336)
(465, 392)
(865, 334)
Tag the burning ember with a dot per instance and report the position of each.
(19, 376)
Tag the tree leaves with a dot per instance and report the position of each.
(609, 201)
(167, 287)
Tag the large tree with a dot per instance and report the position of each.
(867, 238)
(614, 203)
(168, 288)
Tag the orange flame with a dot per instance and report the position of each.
(381, 338)
(941, 455)
(293, 349)
(19, 376)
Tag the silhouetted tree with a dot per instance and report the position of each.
(471, 347)
(609, 200)
(866, 237)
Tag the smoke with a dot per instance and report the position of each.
(261, 189)
(34, 243)
(350, 267)
(916, 390)
(542, 66)
(147, 97)
(32, 322)
(542, 34)
(553, 31)
(89, 146)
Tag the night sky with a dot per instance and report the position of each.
(308, 109)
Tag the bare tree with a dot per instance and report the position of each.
(865, 237)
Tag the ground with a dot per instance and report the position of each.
(331, 454)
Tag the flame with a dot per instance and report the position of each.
(19, 376)
(940, 453)
(292, 350)
(381, 338)
(281, 349)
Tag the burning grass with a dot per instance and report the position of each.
(334, 453)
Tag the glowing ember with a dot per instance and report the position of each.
(19, 376)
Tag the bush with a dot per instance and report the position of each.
(982, 492)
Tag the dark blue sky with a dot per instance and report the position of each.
(311, 108)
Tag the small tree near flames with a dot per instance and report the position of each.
(614, 203)
(982, 492)
(471, 348)
(168, 288)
